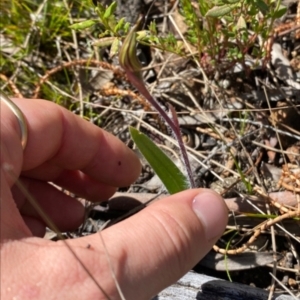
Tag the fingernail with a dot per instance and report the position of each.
(210, 209)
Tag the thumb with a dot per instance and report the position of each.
(157, 246)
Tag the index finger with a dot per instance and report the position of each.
(59, 140)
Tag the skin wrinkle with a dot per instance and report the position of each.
(160, 226)
(93, 162)
(65, 140)
(179, 241)
(81, 165)
(40, 125)
(58, 155)
(63, 135)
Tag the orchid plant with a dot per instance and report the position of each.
(130, 63)
(171, 176)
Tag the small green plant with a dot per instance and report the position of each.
(225, 31)
(114, 32)
(34, 29)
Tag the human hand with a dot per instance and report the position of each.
(148, 251)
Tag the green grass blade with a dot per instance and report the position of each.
(170, 175)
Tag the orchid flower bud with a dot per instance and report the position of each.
(127, 56)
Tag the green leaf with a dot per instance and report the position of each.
(100, 10)
(163, 166)
(126, 27)
(119, 25)
(110, 10)
(233, 1)
(152, 28)
(220, 11)
(262, 6)
(280, 12)
(83, 25)
(203, 6)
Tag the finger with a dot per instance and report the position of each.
(58, 139)
(65, 212)
(11, 152)
(149, 251)
(12, 224)
(154, 248)
(84, 186)
(37, 227)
